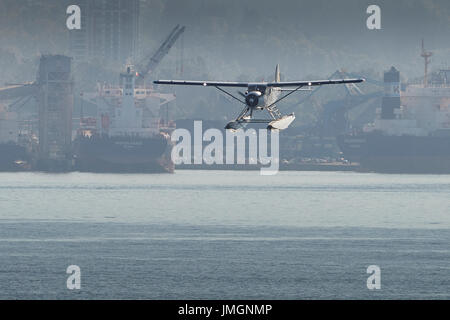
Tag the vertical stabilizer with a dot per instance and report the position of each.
(277, 73)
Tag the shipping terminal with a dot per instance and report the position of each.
(129, 132)
(130, 129)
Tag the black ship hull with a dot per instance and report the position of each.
(123, 154)
(13, 157)
(398, 154)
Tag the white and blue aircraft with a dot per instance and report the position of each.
(261, 96)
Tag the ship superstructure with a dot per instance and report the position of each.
(128, 133)
(418, 110)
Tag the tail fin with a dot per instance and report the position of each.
(277, 74)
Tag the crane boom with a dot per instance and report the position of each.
(162, 51)
(18, 90)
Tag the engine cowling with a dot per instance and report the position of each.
(252, 98)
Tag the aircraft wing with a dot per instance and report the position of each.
(203, 83)
(312, 83)
(246, 84)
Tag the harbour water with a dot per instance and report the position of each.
(224, 235)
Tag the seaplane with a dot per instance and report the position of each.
(261, 96)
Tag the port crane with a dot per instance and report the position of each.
(139, 72)
(145, 67)
(333, 118)
(14, 91)
(148, 65)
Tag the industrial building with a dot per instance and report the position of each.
(55, 104)
(109, 30)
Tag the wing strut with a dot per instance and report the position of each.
(230, 95)
(285, 96)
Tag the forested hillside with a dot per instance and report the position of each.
(242, 40)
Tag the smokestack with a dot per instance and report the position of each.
(391, 98)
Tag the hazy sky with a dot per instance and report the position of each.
(307, 37)
(232, 38)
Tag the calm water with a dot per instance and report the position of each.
(224, 235)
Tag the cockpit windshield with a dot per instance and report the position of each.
(257, 87)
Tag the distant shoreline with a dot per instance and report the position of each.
(332, 166)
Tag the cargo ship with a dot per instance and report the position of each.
(126, 135)
(411, 133)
